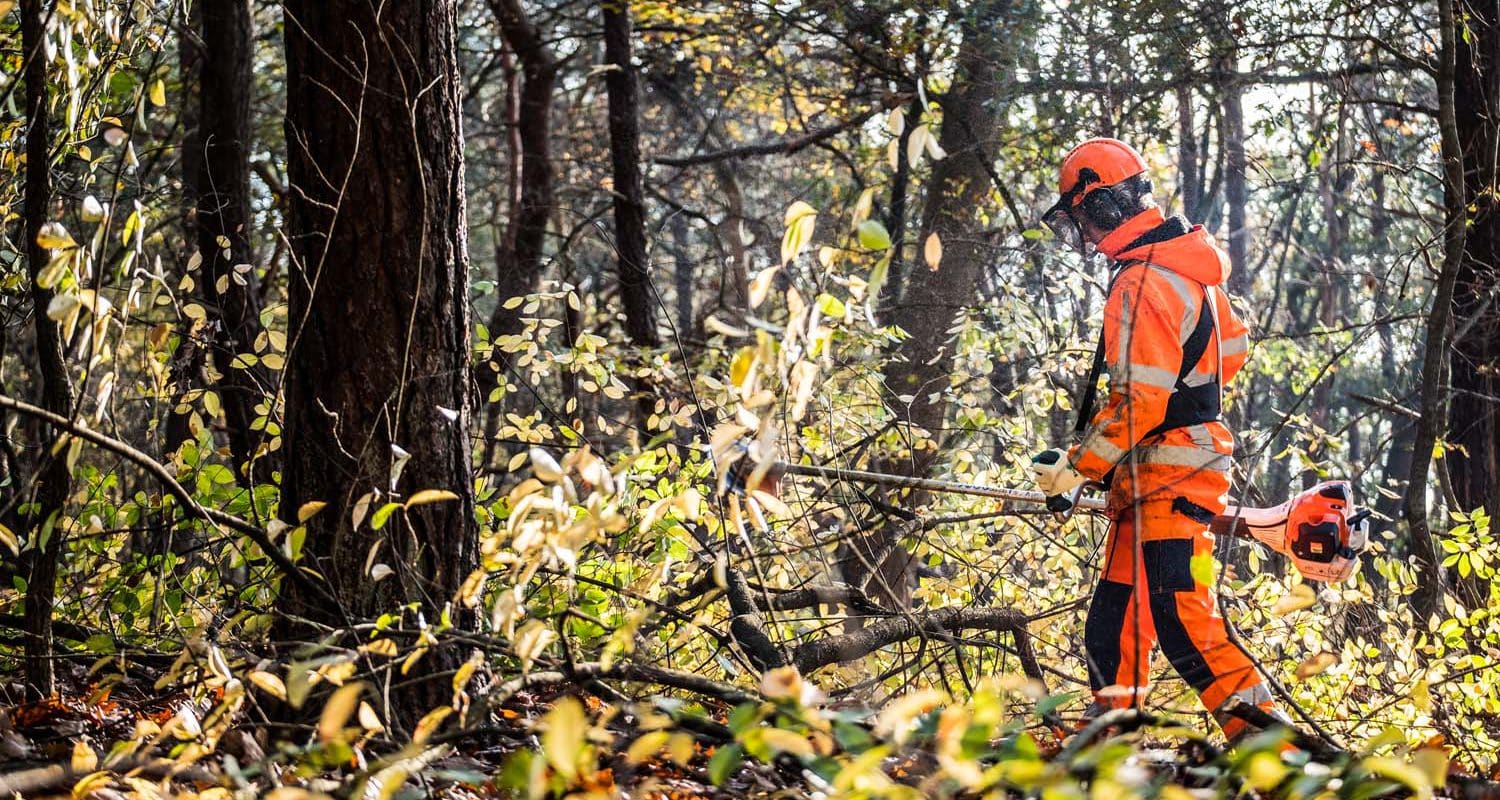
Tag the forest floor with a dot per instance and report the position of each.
(77, 744)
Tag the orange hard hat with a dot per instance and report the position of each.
(1109, 160)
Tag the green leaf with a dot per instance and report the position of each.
(725, 761)
(382, 514)
(1051, 703)
(873, 235)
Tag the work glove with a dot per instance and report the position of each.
(1054, 475)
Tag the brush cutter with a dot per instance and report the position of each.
(1320, 529)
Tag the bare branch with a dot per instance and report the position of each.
(783, 147)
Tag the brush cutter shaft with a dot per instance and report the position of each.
(928, 484)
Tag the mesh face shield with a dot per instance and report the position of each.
(1104, 206)
(1059, 220)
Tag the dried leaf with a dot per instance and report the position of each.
(1301, 596)
(932, 251)
(426, 496)
(1316, 664)
(269, 683)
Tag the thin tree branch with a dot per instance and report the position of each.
(184, 497)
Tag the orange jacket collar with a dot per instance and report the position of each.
(1130, 230)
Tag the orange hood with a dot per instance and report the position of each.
(1193, 254)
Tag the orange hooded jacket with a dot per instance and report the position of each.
(1152, 309)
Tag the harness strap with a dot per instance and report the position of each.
(1188, 405)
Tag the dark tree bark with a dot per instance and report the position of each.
(378, 372)
(1475, 413)
(226, 280)
(187, 359)
(51, 480)
(682, 278)
(895, 220)
(1190, 177)
(625, 157)
(1236, 192)
(1427, 599)
(518, 257)
(932, 299)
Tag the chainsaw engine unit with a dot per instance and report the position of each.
(1320, 530)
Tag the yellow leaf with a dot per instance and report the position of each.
(1433, 762)
(680, 747)
(1301, 596)
(932, 251)
(863, 207)
(426, 496)
(54, 236)
(309, 510)
(87, 785)
(563, 740)
(916, 142)
(295, 793)
(645, 746)
(739, 366)
(158, 94)
(785, 741)
(269, 683)
(8, 538)
(337, 711)
(429, 723)
(380, 647)
(801, 220)
(873, 235)
(84, 757)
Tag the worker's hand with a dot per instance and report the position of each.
(1054, 475)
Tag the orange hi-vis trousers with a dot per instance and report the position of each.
(1148, 595)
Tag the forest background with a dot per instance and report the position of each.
(369, 373)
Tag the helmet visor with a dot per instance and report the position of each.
(1060, 221)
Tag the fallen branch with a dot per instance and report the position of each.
(630, 673)
(184, 497)
(30, 782)
(858, 644)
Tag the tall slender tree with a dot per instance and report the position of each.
(377, 380)
(623, 91)
(226, 276)
(1475, 416)
(51, 479)
(518, 255)
(935, 296)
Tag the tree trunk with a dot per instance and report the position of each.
(518, 257)
(682, 264)
(1475, 416)
(1190, 179)
(1232, 139)
(1427, 599)
(933, 299)
(630, 210)
(227, 281)
(187, 359)
(52, 479)
(377, 380)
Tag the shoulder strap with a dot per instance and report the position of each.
(1089, 395)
